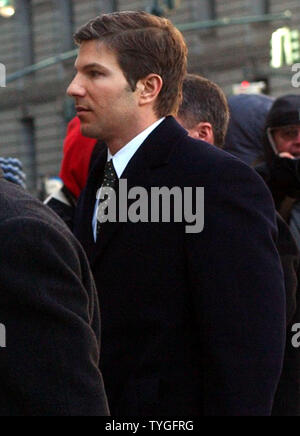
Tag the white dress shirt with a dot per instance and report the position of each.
(121, 159)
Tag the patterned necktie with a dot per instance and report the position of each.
(109, 181)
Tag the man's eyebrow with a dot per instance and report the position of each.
(92, 65)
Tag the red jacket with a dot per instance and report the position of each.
(76, 159)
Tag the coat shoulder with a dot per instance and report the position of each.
(16, 203)
(197, 157)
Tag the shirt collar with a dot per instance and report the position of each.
(122, 158)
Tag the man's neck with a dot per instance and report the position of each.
(116, 144)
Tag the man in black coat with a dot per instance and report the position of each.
(281, 172)
(49, 315)
(193, 321)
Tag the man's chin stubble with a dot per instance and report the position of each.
(90, 133)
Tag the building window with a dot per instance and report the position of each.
(207, 10)
(107, 6)
(66, 16)
(24, 16)
(29, 159)
(260, 7)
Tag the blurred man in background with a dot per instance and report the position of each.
(204, 111)
(281, 172)
(281, 166)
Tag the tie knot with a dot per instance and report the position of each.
(110, 175)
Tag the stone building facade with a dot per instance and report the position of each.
(34, 110)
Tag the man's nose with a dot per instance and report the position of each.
(75, 89)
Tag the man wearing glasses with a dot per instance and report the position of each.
(281, 169)
(287, 140)
(281, 172)
(283, 126)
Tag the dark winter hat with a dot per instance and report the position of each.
(285, 111)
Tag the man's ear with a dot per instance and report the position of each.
(203, 131)
(149, 88)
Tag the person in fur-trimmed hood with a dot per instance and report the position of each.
(245, 139)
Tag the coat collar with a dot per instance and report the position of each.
(155, 151)
(158, 147)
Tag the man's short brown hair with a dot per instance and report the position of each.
(204, 101)
(144, 44)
